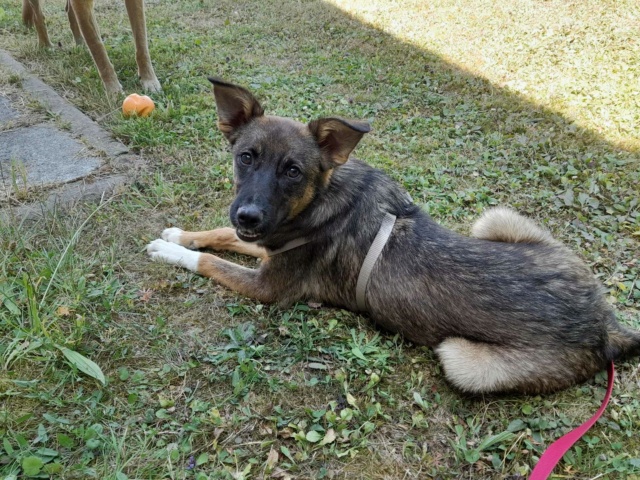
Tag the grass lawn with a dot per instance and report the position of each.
(473, 104)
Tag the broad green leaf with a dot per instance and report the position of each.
(472, 456)
(495, 439)
(285, 451)
(53, 419)
(313, 436)
(93, 443)
(202, 458)
(31, 466)
(317, 366)
(65, 440)
(9, 303)
(163, 413)
(123, 373)
(516, 426)
(83, 364)
(357, 353)
(47, 452)
(7, 446)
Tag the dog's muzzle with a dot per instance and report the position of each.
(249, 223)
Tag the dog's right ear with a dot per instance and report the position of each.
(236, 107)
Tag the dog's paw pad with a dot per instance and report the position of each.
(162, 251)
(172, 235)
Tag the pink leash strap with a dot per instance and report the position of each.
(557, 449)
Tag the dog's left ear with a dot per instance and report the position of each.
(236, 107)
(337, 138)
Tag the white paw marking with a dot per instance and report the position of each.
(172, 235)
(162, 251)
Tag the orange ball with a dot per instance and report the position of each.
(140, 105)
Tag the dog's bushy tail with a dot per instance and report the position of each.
(478, 367)
(501, 224)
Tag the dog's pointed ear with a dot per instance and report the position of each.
(236, 107)
(337, 138)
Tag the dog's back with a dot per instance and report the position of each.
(510, 308)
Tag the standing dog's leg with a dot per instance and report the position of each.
(32, 16)
(218, 239)
(73, 23)
(245, 281)
(135, 9)
(27, 14)
(83, 10)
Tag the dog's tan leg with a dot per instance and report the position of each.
(32, 16)
(135, 9)
(218, 239)
(73, 23)
(245, 281)
(83, 10)
(27, 14)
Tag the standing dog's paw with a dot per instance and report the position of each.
(172, 234)
(162, 251)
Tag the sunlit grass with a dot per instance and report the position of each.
(579, 59)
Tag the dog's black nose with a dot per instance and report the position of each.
(249, 217)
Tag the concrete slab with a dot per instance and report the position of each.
(6, 112)
(81, 124)
(61, 166)
(44, 155)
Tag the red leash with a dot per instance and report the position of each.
(557, 449)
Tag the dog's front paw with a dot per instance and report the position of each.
(172, 234)
(162, 251)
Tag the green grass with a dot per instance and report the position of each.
(472, 104)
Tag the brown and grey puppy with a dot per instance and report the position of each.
(510, 309)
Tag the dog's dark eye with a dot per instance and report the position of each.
(293, 172)
(245, 158)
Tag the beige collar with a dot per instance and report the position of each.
(386, 227)
(290, 245)
(370, 260)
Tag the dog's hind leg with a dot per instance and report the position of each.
(135, 9)
(477, 367)
(502, 224)
(218, 239)
(32, 16)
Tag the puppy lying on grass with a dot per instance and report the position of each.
(508, 309)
